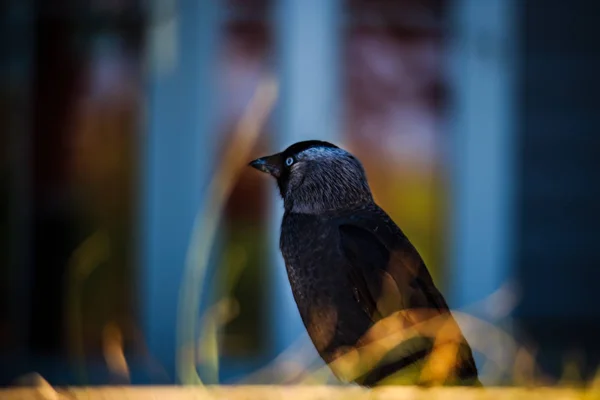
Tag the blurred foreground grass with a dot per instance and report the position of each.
(296, 392)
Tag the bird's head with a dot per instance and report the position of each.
(315, 176)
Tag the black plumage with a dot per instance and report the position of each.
(352, 270)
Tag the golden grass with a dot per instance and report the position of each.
(294, 392)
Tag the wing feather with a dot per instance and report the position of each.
(389, 278)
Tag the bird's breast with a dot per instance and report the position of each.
(317, 272)
(309, 250)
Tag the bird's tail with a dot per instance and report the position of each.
(404, 366)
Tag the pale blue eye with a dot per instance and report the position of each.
(289, 161)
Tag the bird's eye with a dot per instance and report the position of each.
(289, 161)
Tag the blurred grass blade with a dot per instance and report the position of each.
(205, 226)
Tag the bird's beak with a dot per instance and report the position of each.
(270, 164)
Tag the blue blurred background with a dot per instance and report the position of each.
(477, 122)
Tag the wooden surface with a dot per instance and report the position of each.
(292, 392)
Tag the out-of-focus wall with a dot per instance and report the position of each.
(475, 120)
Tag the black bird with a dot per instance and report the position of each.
(355, 276)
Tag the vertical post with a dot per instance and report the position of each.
(483, 123)
(309, 47)
(178, 158)
(17, 73)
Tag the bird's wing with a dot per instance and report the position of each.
(387, 272)
(388, 275)
(365, 257)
